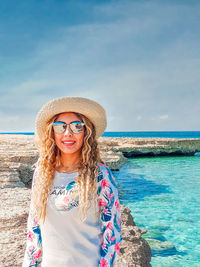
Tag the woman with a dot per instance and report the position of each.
(74, 218)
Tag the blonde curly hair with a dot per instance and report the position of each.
(49, 159)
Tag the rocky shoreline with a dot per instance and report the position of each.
(17, 156)
(118, 150)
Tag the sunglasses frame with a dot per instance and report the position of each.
(64, 124)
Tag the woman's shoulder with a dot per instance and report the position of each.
(102, 165)
(103, 169)
(106, 174)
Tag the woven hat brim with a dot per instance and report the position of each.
(91, 109)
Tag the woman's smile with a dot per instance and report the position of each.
(68, 143)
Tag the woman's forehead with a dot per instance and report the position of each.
(68, 116)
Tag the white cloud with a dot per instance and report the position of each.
(136, 62)
(164, 117)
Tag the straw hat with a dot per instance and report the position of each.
(91, 109)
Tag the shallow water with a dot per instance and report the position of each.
(163, 194)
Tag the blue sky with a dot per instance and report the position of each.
(139, 59)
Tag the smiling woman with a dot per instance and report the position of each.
(74, 217)
(69, 140)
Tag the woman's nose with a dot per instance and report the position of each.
(68, 131)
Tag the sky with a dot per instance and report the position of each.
(139, 59)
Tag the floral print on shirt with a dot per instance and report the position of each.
(33, 253)
(110, 220)
(67, 198)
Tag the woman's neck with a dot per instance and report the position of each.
(68, 163)
(69, 160)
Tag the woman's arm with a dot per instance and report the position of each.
(33, 251)
(110, 219)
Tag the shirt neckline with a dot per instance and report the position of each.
(66, 173)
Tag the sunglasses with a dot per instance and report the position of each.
(75, 126)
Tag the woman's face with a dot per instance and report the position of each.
(68, 135)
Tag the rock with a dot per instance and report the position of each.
(158, 245)
(17, 155)
(163, 247)
(26, 173)
(134, 250)
(134, 147)
(14, 208)
(114, 160)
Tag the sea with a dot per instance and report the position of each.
(145, 134)
(163, 194)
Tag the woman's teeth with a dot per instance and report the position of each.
(68, 142)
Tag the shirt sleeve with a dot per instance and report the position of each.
(33, 251)
(110, 218)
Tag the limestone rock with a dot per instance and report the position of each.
(134, 250)
(133, 147)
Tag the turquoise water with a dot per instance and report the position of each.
(163, 194)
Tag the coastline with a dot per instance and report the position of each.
(18, 154)
(137, 134)
(117, 150)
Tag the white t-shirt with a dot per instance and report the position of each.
(63, 240)
(63, 245)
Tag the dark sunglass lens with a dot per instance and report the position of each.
(59, 127)
(77, 127)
